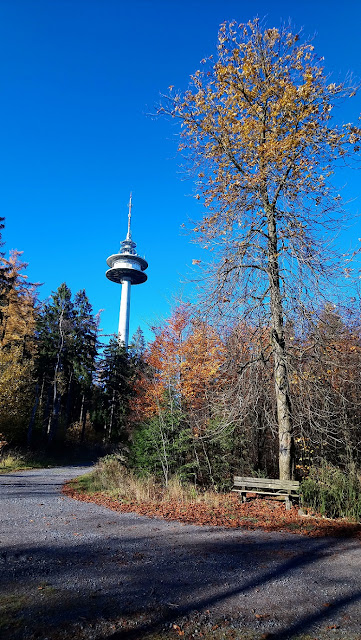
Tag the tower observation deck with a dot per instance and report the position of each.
(126, 268)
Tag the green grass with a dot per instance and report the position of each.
(86, 483)
(10, 607)
(18, 461)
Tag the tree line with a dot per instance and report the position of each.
(58, 382)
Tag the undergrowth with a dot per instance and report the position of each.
(327, 491)
(16, 461)
(111, 477)
(333, 492)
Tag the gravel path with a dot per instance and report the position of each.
(73, 569)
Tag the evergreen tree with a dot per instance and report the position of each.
(116, 374)
(85, 352)
(3, 273)
(138, 345)
(67, 347)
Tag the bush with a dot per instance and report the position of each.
(333, 492)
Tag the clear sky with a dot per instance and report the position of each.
(78, 79)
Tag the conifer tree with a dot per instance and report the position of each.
(115, 388)
(67, 347)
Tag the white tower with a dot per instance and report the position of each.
(126, 268)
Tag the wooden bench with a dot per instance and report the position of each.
(287, 490)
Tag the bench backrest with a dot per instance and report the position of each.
(266, 483)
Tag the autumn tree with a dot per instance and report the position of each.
(258, 126)
(326, 385)
(17, 305)
(18, 298)
(175, 398)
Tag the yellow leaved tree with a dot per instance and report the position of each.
(17, 347)
(257, 123)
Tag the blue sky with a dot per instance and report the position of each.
(78, 79)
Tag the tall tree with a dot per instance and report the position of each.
(4, 284)
(257, 124)
(17, 345)
(17, 305)
(85, 346)
(138, 344)
(55, 333)
(114, 390)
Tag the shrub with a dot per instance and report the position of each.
(333, 492)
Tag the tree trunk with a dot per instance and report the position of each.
(54, 414)
(46, 412)
(111, 416)
(32, 418)
(54, 420)
(284, 417)
(68, 402)
(82, 418)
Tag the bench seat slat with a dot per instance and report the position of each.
(266, 493)
(270, 480)
(267, 486)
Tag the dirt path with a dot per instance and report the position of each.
(76, 570)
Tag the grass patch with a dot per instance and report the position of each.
(20, 460)
(10, 607)
(16, 461)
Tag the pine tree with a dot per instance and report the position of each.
(115, 388)
(85, 352)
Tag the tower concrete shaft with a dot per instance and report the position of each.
(124, 313)
(126, 268)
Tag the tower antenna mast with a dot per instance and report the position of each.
(129, 235)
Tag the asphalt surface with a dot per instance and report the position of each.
(66, 563)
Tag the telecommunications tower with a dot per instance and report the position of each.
(126, 268)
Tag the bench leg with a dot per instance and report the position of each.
(288, 503)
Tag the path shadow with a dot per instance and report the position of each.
(169, 575)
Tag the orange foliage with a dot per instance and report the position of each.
(17, 308)
(203, 356)
(184, 359)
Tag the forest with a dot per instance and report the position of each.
(197, 401)
(262, 374)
